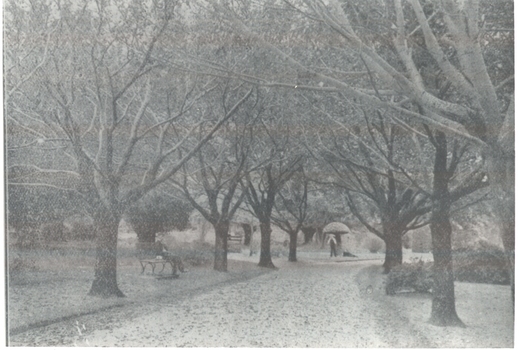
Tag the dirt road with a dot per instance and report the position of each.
(302, 305)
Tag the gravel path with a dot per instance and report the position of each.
(295, 306)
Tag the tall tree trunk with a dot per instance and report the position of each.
(320, 236)
(292, 246)
(105, 273)
(393, 240)
(202, 229)
(443, 311)
(308, 233)
(247, 230)
(501, 169)
(265, 257)
(221, 230)
(339, 248)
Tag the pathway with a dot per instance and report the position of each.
(301, 305)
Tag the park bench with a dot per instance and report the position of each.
(235, 238)
(155, 254)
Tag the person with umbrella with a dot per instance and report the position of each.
(333, 245)
(334, 231)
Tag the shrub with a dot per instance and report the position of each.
(196, 253)
(19, 264)
(25, 239)
(80, 228)
(375, 245)
(234, 248)
(481, 262)
(30, 207)
(158, 213)
(53, 232)
(416, 276)
(36, 213)
(277, 249)
(421, 241)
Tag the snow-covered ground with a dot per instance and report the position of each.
(317, 302)
(328, 304)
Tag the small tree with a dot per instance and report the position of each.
(211, 184)
(290, 210)
(261, 196)
(274, 158)
(157, 213)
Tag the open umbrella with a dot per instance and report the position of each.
(336, 228)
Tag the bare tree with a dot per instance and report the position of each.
(273, 149)
(290, 209)
(111, 118)
(216, 178)
(388, 186)
(262, 188)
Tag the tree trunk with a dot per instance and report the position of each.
(265, 257)
(443, 311)
(320, 236)
(339, 249)
(308, 233)
(202, 229)
(221, 230)
(393, 240)
(247, 230)
(501, 170)
(105, 275)
(292, 246)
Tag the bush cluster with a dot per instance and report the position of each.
(196, 253)
(35, 215)
(415, 276)
(158, 213)
(53, 232)
(375, 245)
(80, 228)
(19, 264)
(481, 262)
(30, 207)
(421, 241)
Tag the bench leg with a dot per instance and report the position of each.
(143, 266)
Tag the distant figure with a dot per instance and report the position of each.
(333, 245)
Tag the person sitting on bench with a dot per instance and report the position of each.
(167, 255)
